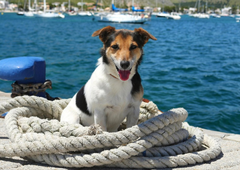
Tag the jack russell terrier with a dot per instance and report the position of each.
(114, 91)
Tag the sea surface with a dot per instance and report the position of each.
(194, 64)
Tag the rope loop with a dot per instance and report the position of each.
(160, 140)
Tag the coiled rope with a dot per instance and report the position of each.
(161, 140)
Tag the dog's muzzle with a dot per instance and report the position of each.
(123, 73)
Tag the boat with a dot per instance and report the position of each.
(237, 19)
(162, 14)
(202, 15)
(48, 13)
(226, 11)
(118, 9)
(174, 16)
(20, 13)
(136, 10)
(72, 13)
(28, 14)
(118, 17)
(215, 15)
(83, 13)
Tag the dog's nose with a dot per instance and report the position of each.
(124, 64)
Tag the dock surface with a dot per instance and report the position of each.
(228, 160)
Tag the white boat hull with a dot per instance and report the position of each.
(206, 16)
(29, 14)
(84, 14)
(120, 18)
(162, 15)
(50, 15)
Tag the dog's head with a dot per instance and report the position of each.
(122, 49)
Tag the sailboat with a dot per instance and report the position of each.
(71, 13)
(118, 17)
(49, 13)
(84, 13)
(29, 13)
(201, 15)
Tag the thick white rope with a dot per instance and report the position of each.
(159, 141)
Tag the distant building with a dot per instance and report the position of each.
(3, 4)
(13, 6)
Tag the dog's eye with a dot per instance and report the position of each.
(115, 47)
(133, 47)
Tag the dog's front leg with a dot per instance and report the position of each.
(132, 116)
(100, 119)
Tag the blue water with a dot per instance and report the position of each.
(194, 64)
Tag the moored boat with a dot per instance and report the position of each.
(121, 18)
(174, 16)
(162, 14)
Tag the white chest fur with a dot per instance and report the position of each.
(109, 100)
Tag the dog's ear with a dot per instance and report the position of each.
(104, 33)
(144, 34)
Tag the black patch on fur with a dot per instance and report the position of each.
(136, 83)
(104, 56)
(139, 61)
(81, 101)
(138, 39)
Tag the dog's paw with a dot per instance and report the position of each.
(95, 129)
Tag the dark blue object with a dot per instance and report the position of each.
(118, 9)
(137, 10)
(24, 70)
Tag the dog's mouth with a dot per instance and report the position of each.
(123, 74)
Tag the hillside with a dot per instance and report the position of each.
(211, 3)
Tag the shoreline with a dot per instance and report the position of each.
(229, 159)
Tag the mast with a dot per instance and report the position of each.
(96, 5)
(35, 5)
(82, 5)
(44, 5)
(25, 4)
(29, 4)
(206, 6)
(69, 6)
(179, 5)
(198, 6)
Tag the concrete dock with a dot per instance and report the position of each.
(228, 160)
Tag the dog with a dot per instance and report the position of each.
(114, 91)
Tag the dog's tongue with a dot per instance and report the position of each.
(124, 74)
